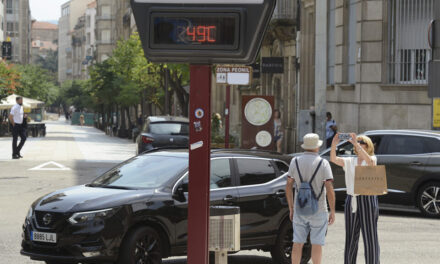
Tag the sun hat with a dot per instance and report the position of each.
(311, 141)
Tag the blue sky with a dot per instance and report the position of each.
(46, 10)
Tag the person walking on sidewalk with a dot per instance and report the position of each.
(313, 180)
(278, 130)
(16, 117)
(361, 211)
(330, 129)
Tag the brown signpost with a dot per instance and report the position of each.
(257, 122)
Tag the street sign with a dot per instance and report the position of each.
(436, 113)
(202, 31)
(272, 65)
(234, 75)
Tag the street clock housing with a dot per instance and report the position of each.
(202, 31)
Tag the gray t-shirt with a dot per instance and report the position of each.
(308, 162)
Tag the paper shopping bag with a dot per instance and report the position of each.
(370, 180)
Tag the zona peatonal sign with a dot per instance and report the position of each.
(234, 74)
(202, 31)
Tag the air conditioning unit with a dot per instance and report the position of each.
(224, 231)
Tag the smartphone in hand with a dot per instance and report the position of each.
(344, 136)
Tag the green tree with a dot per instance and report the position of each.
(49, 62)
(37, 83)
(9, 80)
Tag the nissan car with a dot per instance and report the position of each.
(137, 211)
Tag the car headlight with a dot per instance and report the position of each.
(83, 217)
(29, 214)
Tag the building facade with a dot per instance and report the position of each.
(106, 36)
(44, 39)
(378, 64)
(71, 11)
(18, 29)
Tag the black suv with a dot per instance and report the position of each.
(163, 132)
(412, 160)
(137, 211)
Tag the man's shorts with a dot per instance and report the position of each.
(315, 224)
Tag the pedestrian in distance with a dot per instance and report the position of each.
(330, 129)
(81, 120)
(17, 117)
(278, 130)
(313, 180)
(361, 211)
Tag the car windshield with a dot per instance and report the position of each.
(169, 128)
(146, 171)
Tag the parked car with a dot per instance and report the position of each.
(412, 160)
(137, 211)
(163, 131)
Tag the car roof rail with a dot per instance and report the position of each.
(247, 150)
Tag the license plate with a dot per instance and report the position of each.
(44, 237)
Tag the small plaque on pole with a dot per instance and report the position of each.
(234, 75)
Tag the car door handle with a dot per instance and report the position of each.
(280, 193)
(229, 198)
(416, 163)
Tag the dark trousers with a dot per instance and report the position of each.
(364, 219)
(18, 130)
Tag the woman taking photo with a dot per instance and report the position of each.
(361, 211)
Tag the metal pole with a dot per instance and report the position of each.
(227, 110)
(199, 163)
(167, 99)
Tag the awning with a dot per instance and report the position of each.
(28, 103)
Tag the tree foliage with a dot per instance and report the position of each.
(9, 80)
(37, 83)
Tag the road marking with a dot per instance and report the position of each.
(59, 167)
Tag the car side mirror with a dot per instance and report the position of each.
(179, 194)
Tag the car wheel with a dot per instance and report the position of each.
(282, 251)
(428, 199)
(141, 246)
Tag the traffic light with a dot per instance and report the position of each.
(7, 50)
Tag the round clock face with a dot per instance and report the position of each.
(258, 111)
(263, 139)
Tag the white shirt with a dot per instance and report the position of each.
(308, 162)
(17, 112)
(328, 130)
(350, 168)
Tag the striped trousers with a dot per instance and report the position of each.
(364, 219)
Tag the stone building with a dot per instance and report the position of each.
(106, 36)
(18, 28)
(71, 11)
(90, 44)
(125, 24)
(79, 39)
(44, 39)
(377, 62)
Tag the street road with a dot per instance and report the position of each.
(87, 152)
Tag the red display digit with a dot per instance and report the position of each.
(191, 31)
(201, 34)
(211, 33)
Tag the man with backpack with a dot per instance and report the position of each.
(313, 180)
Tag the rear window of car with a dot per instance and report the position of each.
(169, 128)
(407, 145)
(255, 171)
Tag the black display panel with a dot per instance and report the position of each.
(195, 30)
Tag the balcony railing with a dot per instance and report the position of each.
(285, 10)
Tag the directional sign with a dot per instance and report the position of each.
(202, 31)
(234, 75)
